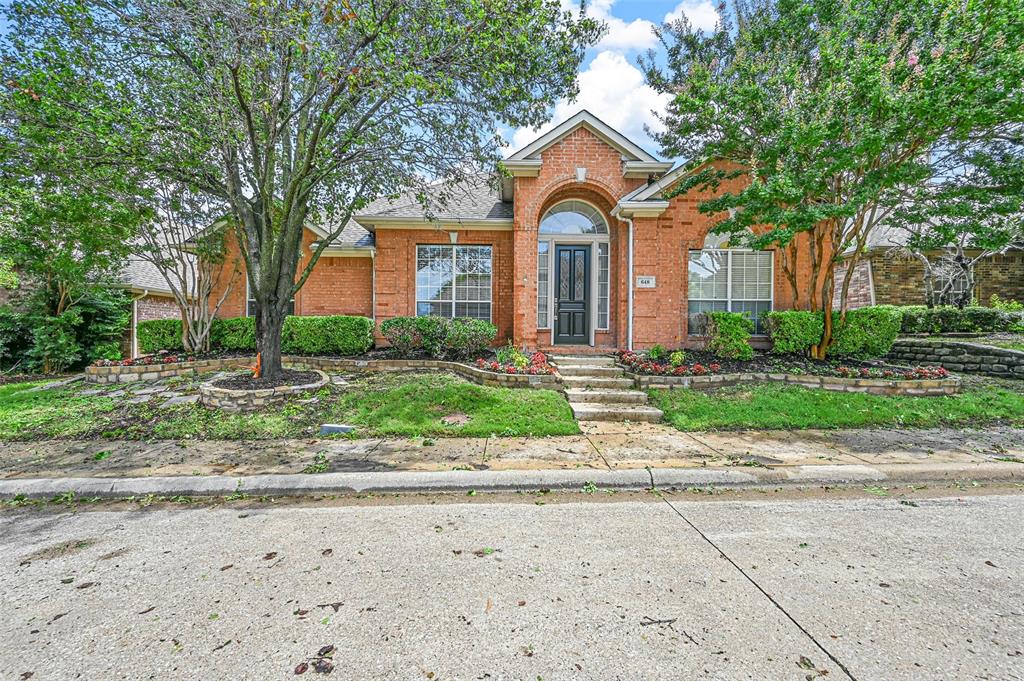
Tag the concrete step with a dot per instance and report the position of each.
(587, 370)
(592, 411)
(592, 360)
(597, 382)
(606, 396)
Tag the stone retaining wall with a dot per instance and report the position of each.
(480, 376)
(154, 372)
(875, 386)
(251, 400)
(960, 356)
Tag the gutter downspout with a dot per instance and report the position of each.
(373, 288)
(629, 294)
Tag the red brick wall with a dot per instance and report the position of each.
(335, 286)
(860, 292)
(396, 270)
(146, 308)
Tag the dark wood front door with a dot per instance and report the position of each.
(572, 295)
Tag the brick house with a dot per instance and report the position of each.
(151, 299)
(578, 250)
(885, 275)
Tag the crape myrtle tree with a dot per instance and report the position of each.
(292, 111)
(830, 108)
(186, 243)
(972, 209)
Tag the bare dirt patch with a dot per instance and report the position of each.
(61, 550)
(287, 377)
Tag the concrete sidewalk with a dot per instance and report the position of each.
(620, 456)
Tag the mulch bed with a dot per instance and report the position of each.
(769, 363)
(286, 377)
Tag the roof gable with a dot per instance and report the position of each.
(612, 137)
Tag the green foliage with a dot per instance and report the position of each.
(155, 335)
(510, 354)
(55, 347)
(14, 336)
(677, 358)
(110, 350)
(867, 332)
(329, 335)
(440, 337)
(793, 331)
(656, 352)
(237, 334)
(728, 335)
(949, 319)
(402, 334)
(1005, 304)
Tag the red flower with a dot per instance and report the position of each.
(715, 367)
(699, 369)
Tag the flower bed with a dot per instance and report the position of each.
(537, 365)
(638, 364)
(922, 373)
(148, 360)
(232, 400)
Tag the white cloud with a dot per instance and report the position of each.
(702, 14)
(612, 89)
(634, 35)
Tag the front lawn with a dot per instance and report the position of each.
(405, 404)
(779, 407)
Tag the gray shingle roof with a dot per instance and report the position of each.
(475, 199)
(143, 275)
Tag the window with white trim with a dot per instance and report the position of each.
(602, 285)
(454, 281)
(250, 302)
(728, 279)
(543, 283)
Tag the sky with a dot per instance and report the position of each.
(611, 85)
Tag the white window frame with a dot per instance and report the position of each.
(728, 281)
(250, 299)
(454, 300)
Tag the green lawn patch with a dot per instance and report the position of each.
(405, 404)
(775, 406)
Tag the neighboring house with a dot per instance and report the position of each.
(886, 275)
(577, 251)
(151, 299)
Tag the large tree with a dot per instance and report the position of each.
(292, 110)
(830, 108)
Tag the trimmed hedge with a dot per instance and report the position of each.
(159, 334)
(728, 335)
(337, 335)
(948, 319)
(440, 337)
(867, 332)
(329, 335)
(793, 331)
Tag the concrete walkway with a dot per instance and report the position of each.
(614, 455)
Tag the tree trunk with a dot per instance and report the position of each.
(269, 324)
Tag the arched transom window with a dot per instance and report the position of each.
(722, 277)
(573, 217)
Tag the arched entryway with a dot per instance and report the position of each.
(573, 272)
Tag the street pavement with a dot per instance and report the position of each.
(650, 587)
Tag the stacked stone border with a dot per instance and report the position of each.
(971, 358)
(875, 386)
(232, 400)
(154, 372)
(488, 378)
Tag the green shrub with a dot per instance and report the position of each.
(155, 335)
(55, 347)
(793, 331)
(468, 338)
(327, 335)
(403, 334)
(728, 334)
(434, 331)
(237, 334)
(656, 352)
(14, 336)
(949, 319)
(677, 358)
(867, 332)
(510, 354)
(1005, 304)
(109, 350)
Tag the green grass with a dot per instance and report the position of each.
(406, 404)
(774, 406)
(1009, 345)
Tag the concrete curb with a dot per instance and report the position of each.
(510, 481)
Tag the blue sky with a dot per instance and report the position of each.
(611, 86)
